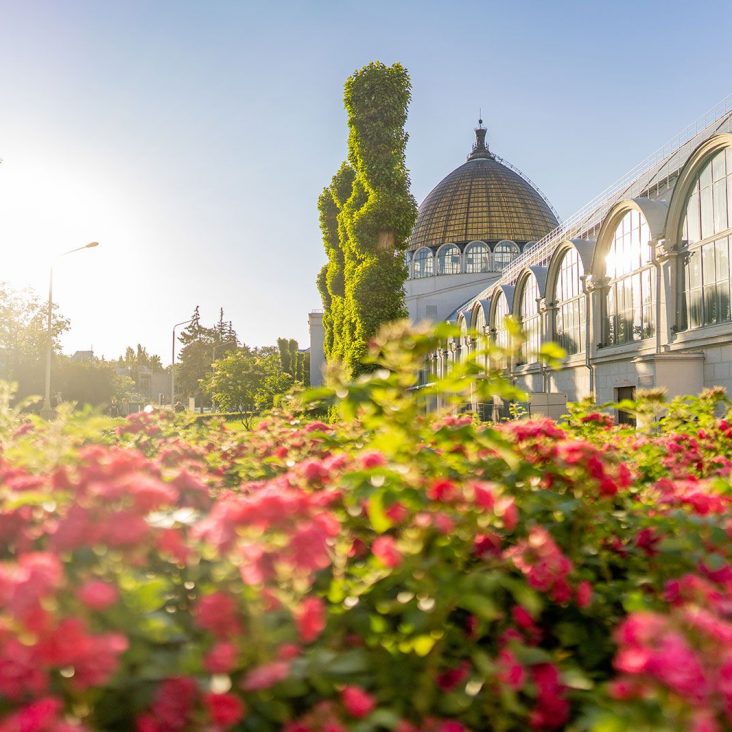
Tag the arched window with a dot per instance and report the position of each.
(480, 321)
(477, 257)
(448, 260)
(423, 264)
(502, 336)
(630, 299)
(569, 317)
(503, 254)
(705, 264)
(530, 319)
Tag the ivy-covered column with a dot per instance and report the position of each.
(366, 233)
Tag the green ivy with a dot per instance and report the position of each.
(366, 216)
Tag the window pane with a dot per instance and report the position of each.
(710, 304)
(721, 259)
(692, 217)
(707, 213)
(720, 205)
(718, 171)
(708, 264)
(705, 179)
(694, 305)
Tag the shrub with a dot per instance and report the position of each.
(393, 570)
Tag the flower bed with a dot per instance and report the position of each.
(387, 572)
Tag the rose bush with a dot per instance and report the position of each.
(391, 570)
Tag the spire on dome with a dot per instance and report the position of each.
(480, 149)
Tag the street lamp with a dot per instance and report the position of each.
(172, 365)
(47, 410)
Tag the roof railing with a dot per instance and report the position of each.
(530, 182)
(593, 212)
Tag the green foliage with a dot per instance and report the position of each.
(246, 380)
(366, 216)
(447, 573)
(138, 358)
(93, 382)
(293, 361)
(201, 347)
(24, 339)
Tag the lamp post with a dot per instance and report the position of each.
(47, 409)
(172, 364)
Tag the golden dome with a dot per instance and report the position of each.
(485, 200)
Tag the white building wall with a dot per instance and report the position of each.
(435, 298)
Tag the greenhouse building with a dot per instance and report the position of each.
(635, 286)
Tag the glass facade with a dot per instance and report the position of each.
(423, 263)
(629, 303)
(477, 258)
(569, 316)
(503, 254)
(448, 260)
(705, 269)
(530, 320)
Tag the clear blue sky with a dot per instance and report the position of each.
(192, 138)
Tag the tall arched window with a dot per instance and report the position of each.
(423, 264)
(448, 260)
(479, 322)
(705, 264)
(502, 336)
(503, 254)
(530, 319)
(629, 314)
(569, 317)
(477, 257)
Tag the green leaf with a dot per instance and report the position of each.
(348, 663)
(524, 595)
(481, 606)
(423, 644)
(375, 508)
(147, 596)
(27, 498)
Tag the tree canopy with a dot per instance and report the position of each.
(201, 346)
(246, 380)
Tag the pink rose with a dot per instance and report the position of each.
(98, 595)
(357, 702)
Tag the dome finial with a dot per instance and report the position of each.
(480, 149)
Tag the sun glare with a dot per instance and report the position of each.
(45, 213)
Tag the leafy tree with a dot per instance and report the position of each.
(294, 361)
(136, 358)
(303, 370)
(331, 279)
(24, 338)
(201, 347)
(224, 338)
(366, 216)
(92, 382)
(247, 380)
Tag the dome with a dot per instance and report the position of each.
(483, 199)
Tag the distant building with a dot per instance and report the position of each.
(150, 386)
(85, 356)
